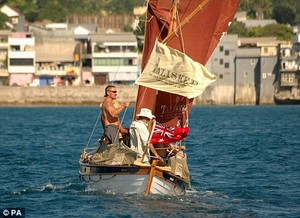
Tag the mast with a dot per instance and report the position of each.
(186, 20)
(173, 18)
(154, 162)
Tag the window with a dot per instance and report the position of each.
(128, 48)
(114, 62)
(114, 48)
(287, 77)
(221, 48)
(99, 48)
(221, 76)
(128, 62)
(21, 62)
(15, 48)
(226, 65)
(221, 61)
(226, 52)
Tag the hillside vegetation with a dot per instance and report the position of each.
(286, 13)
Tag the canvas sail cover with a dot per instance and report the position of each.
(172, 71)
(197, 37)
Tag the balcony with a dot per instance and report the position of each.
(288, 79)
(57, 71)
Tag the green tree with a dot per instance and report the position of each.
(284, 13)
(3, 20)
(281, 31)
(122, 7)
(27, 7)
(263, 9)
(255, 31)
(259, 9)
(238, 28)
(90, 7)
(53, 11)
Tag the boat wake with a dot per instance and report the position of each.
(48, 187)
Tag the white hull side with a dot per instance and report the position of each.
(117, 184)
(162, 187)
(130, 184)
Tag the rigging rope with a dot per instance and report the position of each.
(88, 143)
(125, 111)
(119, 65)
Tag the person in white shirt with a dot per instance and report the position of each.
(139, 136)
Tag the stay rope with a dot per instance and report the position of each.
(125, 111)
(92, 133)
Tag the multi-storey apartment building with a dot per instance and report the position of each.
(287, 89)
(21, 58)
(222, 64)
(268, 71)
(4, 34)
(114, 57)
(63, 54)
(56, 62)
(246, 69)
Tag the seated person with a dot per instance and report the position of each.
(139, 136)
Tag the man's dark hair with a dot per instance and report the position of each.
(106, 89)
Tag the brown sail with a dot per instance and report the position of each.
(193, 27)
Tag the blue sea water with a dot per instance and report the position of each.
(244, 162)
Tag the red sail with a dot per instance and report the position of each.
(197, 37)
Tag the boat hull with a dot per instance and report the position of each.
(130, 180)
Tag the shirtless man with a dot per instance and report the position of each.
(110, 114)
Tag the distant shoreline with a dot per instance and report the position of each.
(61, 95)
(47, 105)
(69, 96)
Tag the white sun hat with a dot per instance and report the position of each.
(145, 112)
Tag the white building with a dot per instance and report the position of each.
(114, 58)
(21, 58)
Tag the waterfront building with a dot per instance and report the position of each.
(268, 71)
(21, 58)
(55, 61)
(246, 76)
(4, 34)
(288, 83)
(60, 49)
(114, 58)
(84, 51)
(222, 64)
(256, 70)
(17, 49)
(246, 69)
